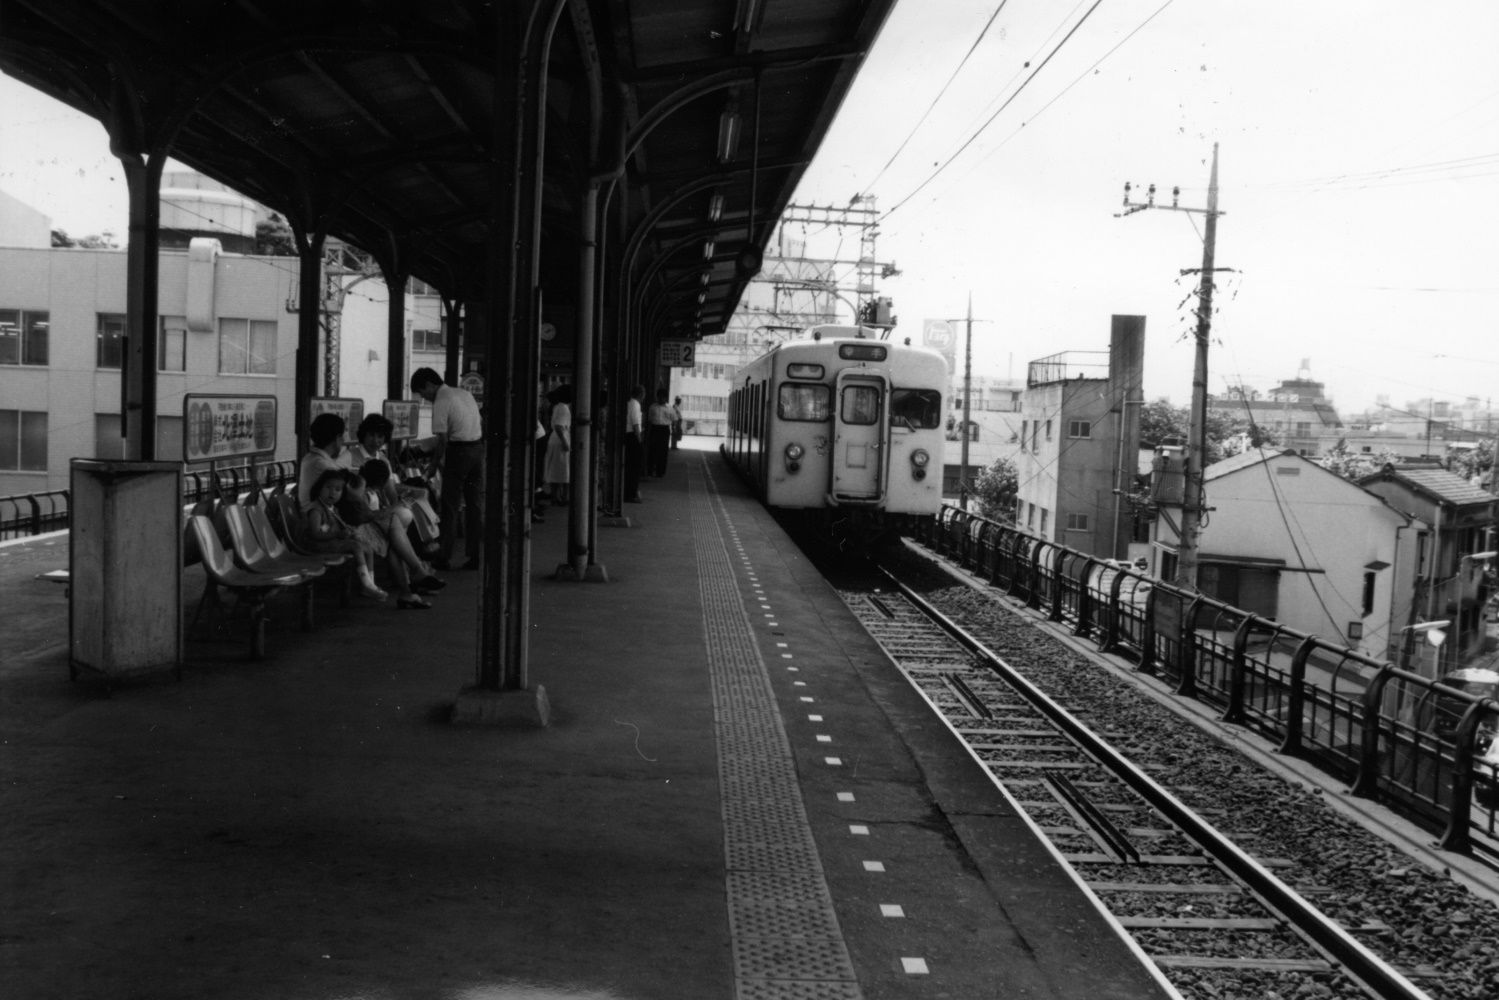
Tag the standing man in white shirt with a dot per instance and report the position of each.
(634, 444)
(460, 453)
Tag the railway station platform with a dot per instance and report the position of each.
(738, 797)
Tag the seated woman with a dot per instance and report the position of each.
(361, 510)
(374, 438)
(325, 531)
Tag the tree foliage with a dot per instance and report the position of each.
(93, 241)
(1470, 462)
(995, 491)
(273, 238)
(1225, 434)
(1354, 465)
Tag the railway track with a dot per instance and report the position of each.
(1216, 919)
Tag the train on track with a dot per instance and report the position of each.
(842, 426)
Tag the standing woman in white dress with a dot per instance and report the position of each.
(559, 442)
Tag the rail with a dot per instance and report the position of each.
(1422, 748)
(26, 515)
(1377, 977)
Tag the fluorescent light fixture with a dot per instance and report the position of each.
(728, 135)
(715, 208)
(704, 278)
(744, 14)
(708, 249)
(702, 297)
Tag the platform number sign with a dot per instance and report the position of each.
(678, 353)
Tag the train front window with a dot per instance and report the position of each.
(918, 409)
(804, 402)
(860, 404)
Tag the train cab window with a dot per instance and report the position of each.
(804, 402)
(918, 409)
(860, 404)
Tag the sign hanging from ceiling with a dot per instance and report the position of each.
(678, 353)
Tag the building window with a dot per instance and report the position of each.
(23, 440)
(1044, 512)
(247, 347)
(1030, 516)
(1024, 427)
(171, 345)
(1048, 430)
(1079, 428)
(1077, 522)
(1368, 594)
(23, 336)
(1035, 432)
(110, 335)
(428, 340)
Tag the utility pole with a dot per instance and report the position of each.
(1196, 458)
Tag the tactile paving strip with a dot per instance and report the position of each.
(785, 935)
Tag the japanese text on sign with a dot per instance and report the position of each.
(352, 410)
(677, 353)
(403, 415)
(215, 427)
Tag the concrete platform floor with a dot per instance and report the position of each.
(313, 826)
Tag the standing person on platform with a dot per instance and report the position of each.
(560, 443)
(676, 423)
(634, 444)
(658, 429)
(460, 453)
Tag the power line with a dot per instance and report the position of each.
(971, 139)
(925, 114)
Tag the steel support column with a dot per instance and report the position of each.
(309, 304)
(395, 327)
(581, 460)
(138, 380)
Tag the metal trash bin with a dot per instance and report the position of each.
(125, 565)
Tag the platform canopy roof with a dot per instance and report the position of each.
(701, 115)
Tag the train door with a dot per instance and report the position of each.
(859, 436)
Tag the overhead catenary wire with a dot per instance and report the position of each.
(1008, 101)
(927, 113)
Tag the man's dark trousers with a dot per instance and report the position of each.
(462, 478)
(634, 459)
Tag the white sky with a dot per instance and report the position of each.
(1359, 177)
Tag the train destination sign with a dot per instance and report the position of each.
(677, 353)
(352, 410)
(217, 427)
(404, 416)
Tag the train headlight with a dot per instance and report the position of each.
(794, 453)
(919, 460)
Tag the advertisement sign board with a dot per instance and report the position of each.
(352, 410)
(939, 335)
(217, 427)
(404, 416)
